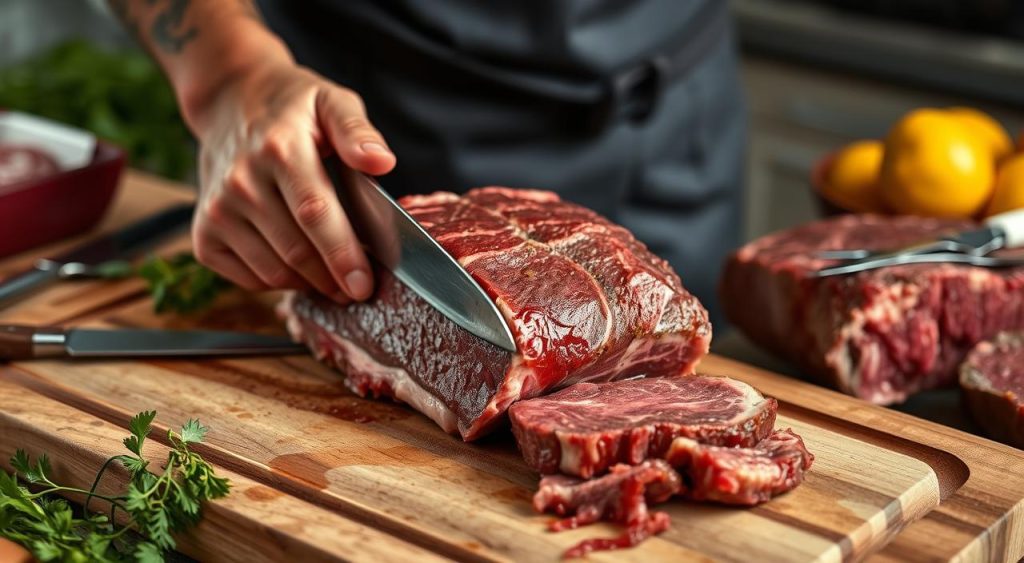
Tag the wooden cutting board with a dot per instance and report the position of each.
(322, 475)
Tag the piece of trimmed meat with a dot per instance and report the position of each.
(584, 299)
(585, 429)
(621, 496)
(881, 334)
(744, 476)
(992, 379)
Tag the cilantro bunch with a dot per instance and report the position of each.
(157, 505)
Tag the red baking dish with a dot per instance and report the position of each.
(61, 204)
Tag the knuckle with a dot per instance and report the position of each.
(298, 254)
(345, 253)
(215, 212)
(312, 211)
(355, 125)
(276, 146)
(236, 184)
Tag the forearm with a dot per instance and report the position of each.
(201, 45)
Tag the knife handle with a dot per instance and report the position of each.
(1012, 225)
(13, 288)
(20, 342)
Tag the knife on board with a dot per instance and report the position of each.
(405, 248)
(21, 342)
(81, 260)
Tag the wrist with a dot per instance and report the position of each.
(225, 60)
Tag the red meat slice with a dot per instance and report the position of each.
(743, 476)
(621, 496)
(992, 378)
(587, 428)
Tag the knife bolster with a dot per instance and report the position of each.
(19, 342)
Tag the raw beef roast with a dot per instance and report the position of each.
(992, 378)
(585, 301)
(587, 428)
(620, 496)
(882, 334)
(741, 475)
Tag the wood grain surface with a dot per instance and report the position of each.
(320, 474)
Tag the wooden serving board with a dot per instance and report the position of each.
(319, 474)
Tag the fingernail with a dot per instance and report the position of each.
(358, 284)
(374, 147)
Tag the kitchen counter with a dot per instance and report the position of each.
(318, 474)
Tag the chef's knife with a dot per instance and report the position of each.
(401, 244)
(19, 342)
(123, 244)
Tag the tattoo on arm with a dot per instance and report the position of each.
(168, 30)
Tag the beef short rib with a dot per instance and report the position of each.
(585, 429)
(621, 496)
(745, 476)
(992, 378)
(584, 299)
(881, 334)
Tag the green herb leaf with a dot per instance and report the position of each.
(193, 432)
(158, 505)
(20, 462)
(181, 283)
(146, 552)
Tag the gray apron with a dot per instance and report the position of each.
(630, 107)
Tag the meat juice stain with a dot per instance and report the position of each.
(260, 493)
(301, 467)
(513, 494)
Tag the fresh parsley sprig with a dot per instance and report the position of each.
(157, 505)
(179, 283)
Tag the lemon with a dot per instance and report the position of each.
(1009, 192)
(852, 179)
(934, 166)
(985, 128)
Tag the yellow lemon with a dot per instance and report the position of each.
(986, 128)
(852, 179)
(1009, 193)
(934, 166)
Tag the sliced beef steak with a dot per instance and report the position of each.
(744, 476)
(882, 334)
(621, 496)
(585, 301)
(992, 378)
(589, 427)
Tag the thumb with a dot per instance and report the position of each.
(359, 144)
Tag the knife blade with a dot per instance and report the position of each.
(123, 244)
(405, 248)
(21, 342)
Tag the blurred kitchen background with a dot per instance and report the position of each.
(818, 74)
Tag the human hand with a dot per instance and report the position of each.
(268, 216)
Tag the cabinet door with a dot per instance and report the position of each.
(778, 185)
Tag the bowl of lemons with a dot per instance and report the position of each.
(953, 162)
